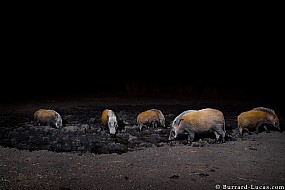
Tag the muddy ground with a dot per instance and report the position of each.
(83, 156)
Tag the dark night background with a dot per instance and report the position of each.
(46, 60)
(145, 80)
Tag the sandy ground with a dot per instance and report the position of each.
(253, 163)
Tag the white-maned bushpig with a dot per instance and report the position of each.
(152, 117)
(256, 118)
(109, 119)
(200, 121)
(47, 117)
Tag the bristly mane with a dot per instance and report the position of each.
(156, 110)
(111, 113)
(178, 118)
(161, 114)
(267, 110)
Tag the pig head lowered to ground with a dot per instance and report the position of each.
(199, 121)
(47, 117)
(109, 119)
(152, 117)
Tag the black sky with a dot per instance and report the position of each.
(59, 59)
(245, 72)
(154, 80)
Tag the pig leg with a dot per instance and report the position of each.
(243, 130)
(240, 131)
(223, 136)
(45, 123)
(36, 122)
(257, 129)
(143, 126)
(154, 124)
(219, 134)
(266, 129)
(53, 124)
(247, 130)
(146, 126)
(218, 130)
(140, 127)
(191, 136)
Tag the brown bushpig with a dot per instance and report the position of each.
(47, 117)
(109, 119)
(200, 121)
(152, 117)
(256, 118)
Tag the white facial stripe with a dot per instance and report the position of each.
(175, 130)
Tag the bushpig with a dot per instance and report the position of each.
(256, 118)
(152, 117)
(47, 117)
(109, 119)
(200, 121)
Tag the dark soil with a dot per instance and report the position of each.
(83, 156)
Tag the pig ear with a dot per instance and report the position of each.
(180, 121)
